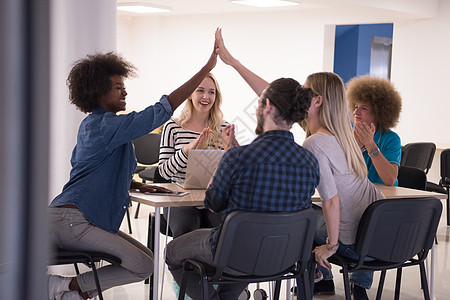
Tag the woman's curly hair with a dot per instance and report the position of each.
(380, 94)
(89, 79)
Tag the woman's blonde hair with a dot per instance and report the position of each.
(335, 116)
(215, 117)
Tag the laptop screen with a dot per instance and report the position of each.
(200, 167)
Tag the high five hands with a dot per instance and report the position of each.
(221, 50)
(201, 142)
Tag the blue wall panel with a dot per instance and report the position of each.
(346, 51)
(352, 48)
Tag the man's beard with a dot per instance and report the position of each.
(260, 125)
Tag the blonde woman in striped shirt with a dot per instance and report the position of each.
(198, 127)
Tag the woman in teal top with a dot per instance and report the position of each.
(376, 107)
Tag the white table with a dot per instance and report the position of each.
(196, 197)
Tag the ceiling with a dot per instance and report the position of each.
(396, 8)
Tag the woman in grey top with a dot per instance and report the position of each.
(344, 187)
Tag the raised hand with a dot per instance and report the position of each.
(213, 58)
(179, 95)
(223, 52)
(254, 81)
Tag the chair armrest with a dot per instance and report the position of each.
(192, 265)
(445, 182)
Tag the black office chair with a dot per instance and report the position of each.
(258, 247)
(419, 155)
(396, 233)
(445, 178)
(444, 182)
(157, 178)
(89, 258)
(412, 177)
(146, 149)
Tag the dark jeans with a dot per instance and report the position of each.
(362, 279)
(195, 245)
(186, 219)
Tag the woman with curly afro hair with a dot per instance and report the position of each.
(376, 107)
(89, 211)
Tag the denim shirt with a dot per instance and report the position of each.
(103, 162)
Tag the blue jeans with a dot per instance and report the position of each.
(362, 279)
(186, 219)
(195, 245)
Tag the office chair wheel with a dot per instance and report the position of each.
(245, 295)
(260, 294)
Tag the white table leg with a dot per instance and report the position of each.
(288, 289)
(156, 254)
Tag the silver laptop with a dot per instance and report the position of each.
(200, 168)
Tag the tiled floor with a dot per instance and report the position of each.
(410, 280)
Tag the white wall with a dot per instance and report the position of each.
(169, 49)
(420, 71)
(75, 32)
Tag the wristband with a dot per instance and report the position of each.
(331, 247)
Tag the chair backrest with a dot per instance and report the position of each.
(419, 155)
(264, 244)
(445, 167)
(146, 148)
(157, 178)
(411, 177)
(395, 230)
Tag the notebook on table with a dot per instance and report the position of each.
(200, 168)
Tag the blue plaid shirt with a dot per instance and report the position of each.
(273, 173)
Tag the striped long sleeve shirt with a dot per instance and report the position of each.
(172, 159)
